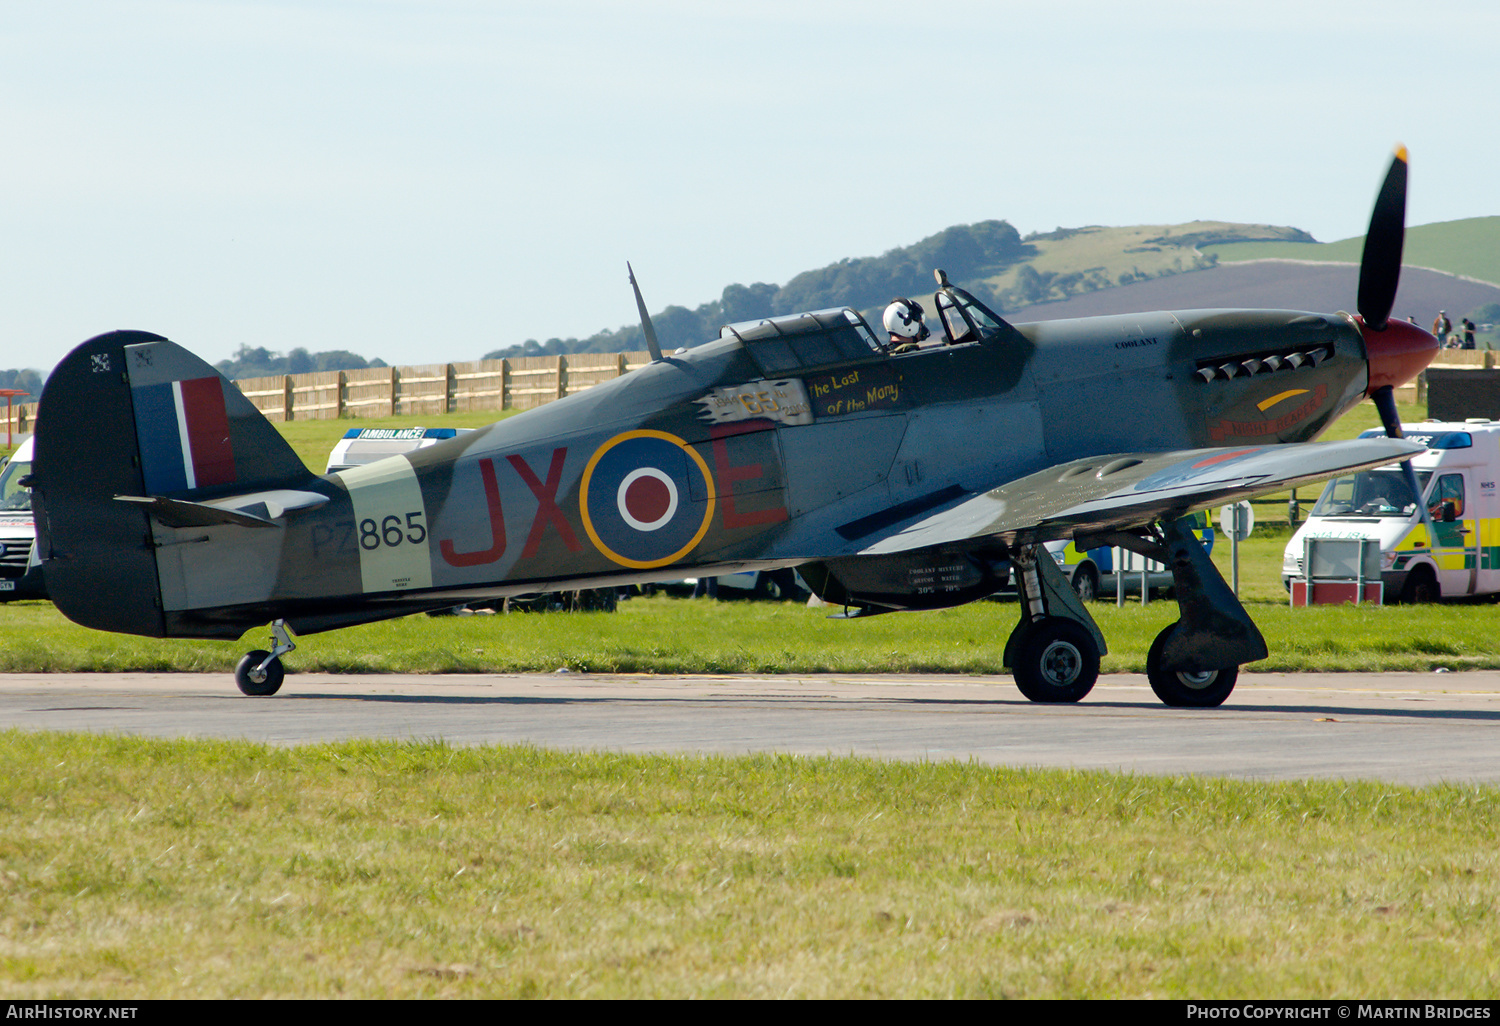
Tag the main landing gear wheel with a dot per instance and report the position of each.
(1058, 661)
(1203, 690)
(257, 683)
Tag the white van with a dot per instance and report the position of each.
(1457, 475)
(20, 576)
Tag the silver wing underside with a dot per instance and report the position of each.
(1130, 490)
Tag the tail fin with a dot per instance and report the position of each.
(132, 414)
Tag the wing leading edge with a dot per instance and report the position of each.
(1131, 490)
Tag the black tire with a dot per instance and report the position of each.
(1187, 690)
(1086, 583)
(1058, 661)
(1421, 587)
(275, 674)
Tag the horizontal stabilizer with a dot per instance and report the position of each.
(257, 509)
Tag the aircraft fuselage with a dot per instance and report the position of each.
(703, 463)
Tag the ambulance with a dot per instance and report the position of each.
(1457, 475)
(366, 445)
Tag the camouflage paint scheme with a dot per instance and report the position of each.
(168, 506)
(543, 497)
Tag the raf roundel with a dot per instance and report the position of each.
(646, 498)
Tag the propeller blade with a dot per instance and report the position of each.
(1380, 266)
(1385, 404)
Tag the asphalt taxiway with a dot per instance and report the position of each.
(1409, 728)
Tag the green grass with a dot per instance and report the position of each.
(1470, 247)
(200, 869)
(670, 635)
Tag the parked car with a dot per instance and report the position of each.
(20, 576)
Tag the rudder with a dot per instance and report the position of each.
(130, 413)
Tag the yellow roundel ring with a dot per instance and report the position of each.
(635, 499)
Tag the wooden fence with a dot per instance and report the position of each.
(420, 391)
(434, 388)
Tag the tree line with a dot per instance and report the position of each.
(966, 252)
(260, 362)
(28, 381)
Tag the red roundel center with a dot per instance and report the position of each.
(647, 499)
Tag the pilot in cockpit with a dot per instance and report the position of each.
(903, 320)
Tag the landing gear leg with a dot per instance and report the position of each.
(1195, 662)
(260, 673)
(1054, 651)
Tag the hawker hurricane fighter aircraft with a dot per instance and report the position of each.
(167, 506)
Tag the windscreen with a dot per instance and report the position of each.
(1371, 493)
(12, 496)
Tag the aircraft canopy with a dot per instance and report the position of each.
(799, 341)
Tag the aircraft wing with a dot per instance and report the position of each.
(1130, 490)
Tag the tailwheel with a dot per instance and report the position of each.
(1058, 661)
(1201, 690)
(255, 681)
(260, 673)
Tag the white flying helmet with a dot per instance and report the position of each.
(903, 318)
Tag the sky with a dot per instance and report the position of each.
(429, 180)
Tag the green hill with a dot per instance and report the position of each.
(1470, 247)
(1070, 261)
